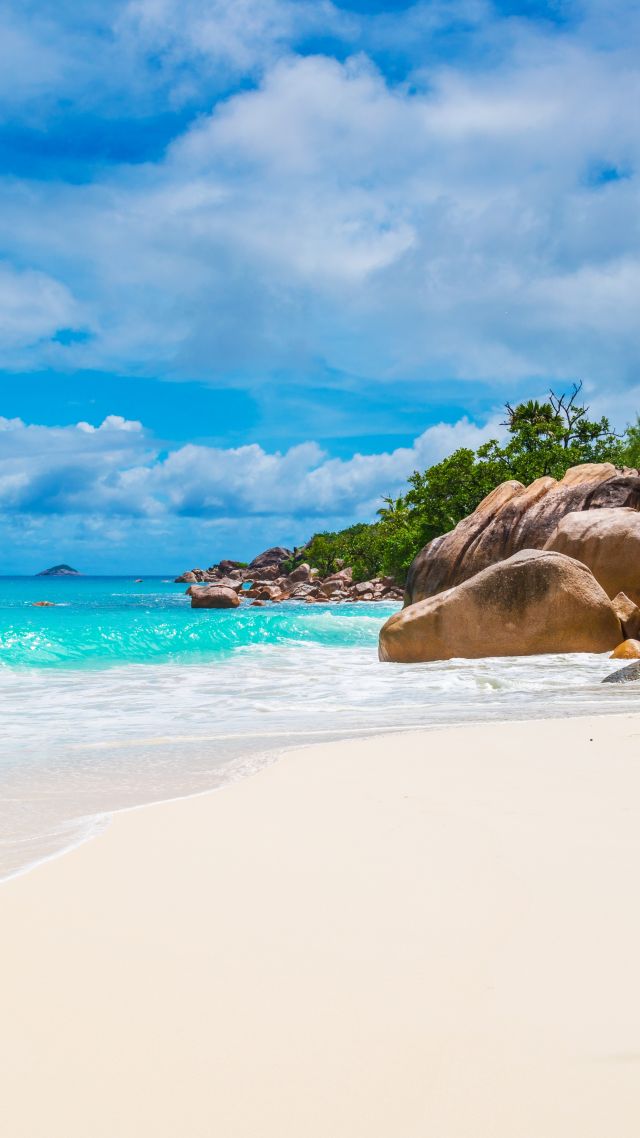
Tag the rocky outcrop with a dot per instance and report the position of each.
(514, 517)
(231, 566)
(264, 592)
(192, 576)
(269, 582)
(265, 573)
(608, 542)
(531, 603)
(277, 555)
(59, 571)
(302, 572)
(214, 597)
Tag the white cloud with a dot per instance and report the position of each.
(198, 40)
(142, 56)
(326, 218)
(116, 470)
(29, 66)
(33, 307)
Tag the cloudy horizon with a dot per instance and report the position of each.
(261, 260)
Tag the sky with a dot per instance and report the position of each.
(260, 259)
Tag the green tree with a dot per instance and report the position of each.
(631, 447)
(548, 438)
(359, 546)
(544, 438)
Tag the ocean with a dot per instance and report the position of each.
(122, 695)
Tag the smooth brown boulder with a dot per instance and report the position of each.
(331, 587)
(608, 541)
(532, 603)
(628, 614)
(264, 593)
(229, 583)
(300, 573)
(304, 589)
(222, 583)
(514, 517)
(343, 576)
(628, 650)
(363, 588)
(213, 597)
(265, 573)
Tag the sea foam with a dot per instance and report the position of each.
(125, 697)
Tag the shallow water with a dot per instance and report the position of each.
(122, 694)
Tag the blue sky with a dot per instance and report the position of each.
(259, 259)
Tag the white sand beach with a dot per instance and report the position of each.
(429, 935)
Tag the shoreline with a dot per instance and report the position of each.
(360, 939)
(93, 825)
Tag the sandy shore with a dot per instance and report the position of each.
(428, 936)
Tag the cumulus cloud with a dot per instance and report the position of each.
(116, 470)
(197, 42)
(33, 307)
(140, 56)
(476, 220)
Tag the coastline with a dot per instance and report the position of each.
(424, 932)
(84, 828)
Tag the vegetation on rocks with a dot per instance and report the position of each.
(545, 438)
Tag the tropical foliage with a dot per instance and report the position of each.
(544, 438)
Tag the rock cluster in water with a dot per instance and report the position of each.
(551, 567)
(268, 582)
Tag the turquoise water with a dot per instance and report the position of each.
(121, 695)
(100, 622)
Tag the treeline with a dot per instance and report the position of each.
(545, 438)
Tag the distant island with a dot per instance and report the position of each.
(59, 571)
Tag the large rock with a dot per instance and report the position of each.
(628, 614)
(332, 586)
(304, 589)
(339, 580)
(228, 566)
(514, 517)
(628, 650)
(213, 597)
(531, 603)
(363, 589)
(264, 572)
(627, 675)
(300, 573)
(198, 575)
(265, 593)
(274, 556)
(223, 583)
(185, 578)
(608, 541)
